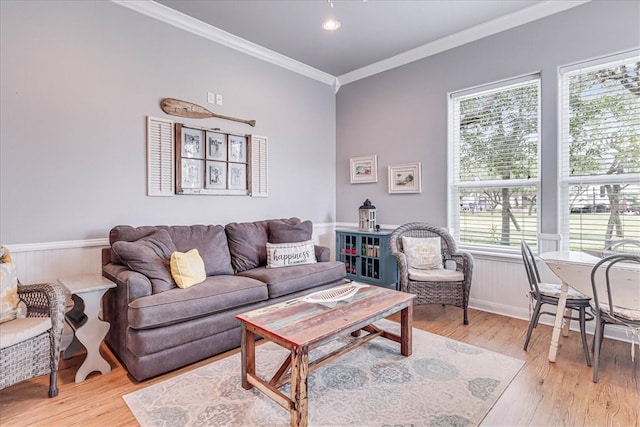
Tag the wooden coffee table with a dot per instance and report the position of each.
(301, 326)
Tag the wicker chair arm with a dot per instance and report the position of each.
(403, 270)
(46, 300)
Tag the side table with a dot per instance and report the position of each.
(84, 318)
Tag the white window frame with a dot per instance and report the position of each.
(565, 180)
(454, 184)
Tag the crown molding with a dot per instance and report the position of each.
(478, 32)
(180, 20)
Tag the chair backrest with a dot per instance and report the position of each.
(617, 276)
(622, 246)
(531, 267)
(423, 229)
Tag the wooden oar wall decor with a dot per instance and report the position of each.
(179, 108)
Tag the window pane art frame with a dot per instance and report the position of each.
(364, 169)
(192, 143)
(216, 175)
(405, 178)
(216, 146)
(211, 161)
(237, 176)
(191, 176)
(237, 148)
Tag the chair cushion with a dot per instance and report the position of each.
(553, 290)
(20, 330)
(423, 253)
(442, 275)
(187, 268)
(624, 314)
(290, 254)
(150, 256)
(9, 301)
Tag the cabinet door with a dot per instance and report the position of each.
(346, 245)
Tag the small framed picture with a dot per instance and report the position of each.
(364, 169)
(192, 173)
(405, 178)
(237, 176)
(216, 175)
(192, 143)
(216, 146)
(237, 149)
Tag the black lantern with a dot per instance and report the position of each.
(367, 216)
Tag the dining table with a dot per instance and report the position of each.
(574, 269)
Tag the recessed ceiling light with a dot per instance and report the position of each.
(331, 24)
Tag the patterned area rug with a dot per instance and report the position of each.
(443, 383)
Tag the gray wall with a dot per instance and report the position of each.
(78, 79)
(401, 115)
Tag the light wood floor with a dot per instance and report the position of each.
(542, 394)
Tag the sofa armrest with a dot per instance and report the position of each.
(323, 253)
(134, 284)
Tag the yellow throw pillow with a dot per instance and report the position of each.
(187, 268)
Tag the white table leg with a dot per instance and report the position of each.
(91, 335)
(557, 327)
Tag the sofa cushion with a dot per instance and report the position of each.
(215, 294)
(187, 268)
(283, 281)
(211, 243)
(248, 241)
(127, 233)
(282, 232)
(149, 256)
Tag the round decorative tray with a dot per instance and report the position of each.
(330, 297)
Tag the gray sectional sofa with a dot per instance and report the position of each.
(157, 327)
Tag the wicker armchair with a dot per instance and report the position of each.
(444, 288)
(33, 356)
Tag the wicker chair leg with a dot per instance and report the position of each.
(53, 384)
(466, 316)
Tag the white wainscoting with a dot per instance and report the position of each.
(499, 282)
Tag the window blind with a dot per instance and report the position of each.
(600, 152)
(494, 178)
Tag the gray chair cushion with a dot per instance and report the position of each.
(287, 280)
(150, 256)
(215, 294)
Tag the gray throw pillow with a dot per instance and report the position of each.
(149, 256)
(282, 232)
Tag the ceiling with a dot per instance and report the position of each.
(372, 31)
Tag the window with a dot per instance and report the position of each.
(494, 141)
(600, 152)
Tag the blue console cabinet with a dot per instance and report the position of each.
(367, 256)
